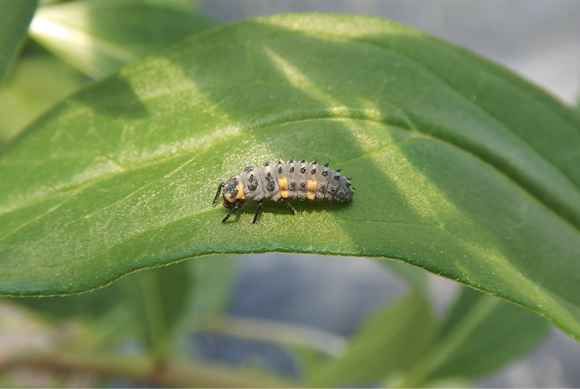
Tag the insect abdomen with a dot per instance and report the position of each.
(295, 180)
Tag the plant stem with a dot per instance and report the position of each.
(139, 370)
(156, 332)
(274, 332)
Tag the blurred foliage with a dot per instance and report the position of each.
(151, 312)
(389, 342)
(14, 20)
(99, 36)
(88, 36)
(415, 277)
(498, 332)
(214, 282)
(479, 335)
(159, 300)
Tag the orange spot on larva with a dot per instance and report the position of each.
(311, 186)
(283, 183)
(241, 194)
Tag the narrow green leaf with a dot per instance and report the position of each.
(160, 299)
(480, 335)
(471, 174)
(14, 20)
(98, 36)
(308, 360)
(214, 278)
(291, 336)
(390, 341)
(415, 277)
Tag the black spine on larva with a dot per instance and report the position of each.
(303, 180)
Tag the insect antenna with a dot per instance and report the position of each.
(217, 194)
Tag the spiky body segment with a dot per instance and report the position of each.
(294, 180)
(290, 180)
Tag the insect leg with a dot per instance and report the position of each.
(236, 209)
(291, 207)
(258, 212)
(239, 207)
(288, 204)
(217, 194)
(231, 211)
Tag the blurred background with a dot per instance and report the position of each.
(324, 301)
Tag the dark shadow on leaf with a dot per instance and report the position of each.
(120, 99)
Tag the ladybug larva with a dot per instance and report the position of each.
(282, 182)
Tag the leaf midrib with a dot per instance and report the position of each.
(289, 117)
(360, 40)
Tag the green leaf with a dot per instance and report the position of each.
(37, 82)
(307, 360)
(471, 173)
(14, 20)
(390, 341)
(98, 36)
(160, 300)
(480, 335)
